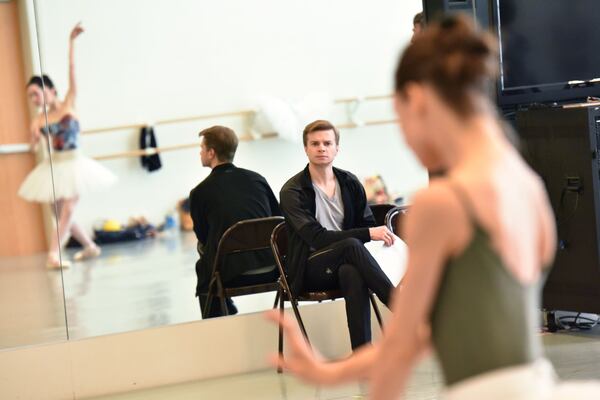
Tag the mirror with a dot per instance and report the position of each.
(32, 307)
(262, 68)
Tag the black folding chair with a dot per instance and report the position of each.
(243, 236)
(394, 220)
(380, 211)
(279, 245)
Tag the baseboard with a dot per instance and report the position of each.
(166, 355)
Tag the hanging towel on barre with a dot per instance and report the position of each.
(151, 160)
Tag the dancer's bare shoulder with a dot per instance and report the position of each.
(437, 216)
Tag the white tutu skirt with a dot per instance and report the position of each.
(535, 381)
(74, 175)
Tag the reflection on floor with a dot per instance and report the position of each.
(133, 285)
(575, 356)
(31, 303)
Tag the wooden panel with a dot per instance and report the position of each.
(21, 225)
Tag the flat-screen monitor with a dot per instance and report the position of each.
(549, 50)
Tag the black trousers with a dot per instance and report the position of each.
(242, 280)
(349, 266)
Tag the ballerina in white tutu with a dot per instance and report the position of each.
(74, 174)
(481, 239)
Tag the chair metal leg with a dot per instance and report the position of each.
(299, 318)
(376, 309)
(209, 297)
(221, 293)
(281, 303)
(276, 298)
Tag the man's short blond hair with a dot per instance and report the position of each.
(320, 125)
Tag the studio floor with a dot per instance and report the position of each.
(575, 355)
(131, 286)
(149, 283)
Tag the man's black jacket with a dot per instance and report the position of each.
(229, 195)
(297, 199)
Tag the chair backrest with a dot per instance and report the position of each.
(380, 211)
(394, 220)
(247, 235)
(279, 246)
(279, 240)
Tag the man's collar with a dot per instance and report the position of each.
(222, 166)
(306, 182)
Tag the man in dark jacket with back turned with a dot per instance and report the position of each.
(228, 195)
(328, 223)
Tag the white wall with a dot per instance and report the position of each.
(141, 61)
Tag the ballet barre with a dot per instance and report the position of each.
(15, 148)
(360, 99)
(238, 113)
(245, 138)
(358, 124)
(170, 121)
(149, 151)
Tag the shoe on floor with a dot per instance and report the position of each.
(55, 263)
(88, 252)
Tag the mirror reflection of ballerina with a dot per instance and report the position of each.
(74, 174)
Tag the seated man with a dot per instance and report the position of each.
(228, 195)
(418, 25)
(328, 223)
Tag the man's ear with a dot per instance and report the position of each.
(211, 153)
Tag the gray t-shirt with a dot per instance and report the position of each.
(329, 211)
